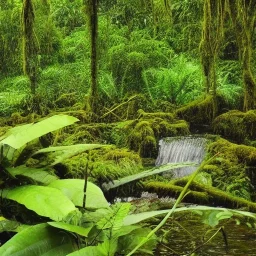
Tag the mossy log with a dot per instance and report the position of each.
(199, 194)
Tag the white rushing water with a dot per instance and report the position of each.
(180, 150)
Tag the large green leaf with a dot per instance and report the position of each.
(40, 175)
(64, 152)
(71, 228)
(45, 201)
(113, 216)
(38, 240)
(88, 251)
(74, 190)
(18, 136)
(138, 176)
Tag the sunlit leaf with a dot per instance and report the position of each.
(71, 228)
(138, 176)
(18, 136)
(40, 175)
(45, 201)
(74, 190)
(38, 240)
(88, 251)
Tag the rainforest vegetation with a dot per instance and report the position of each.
(87, 90)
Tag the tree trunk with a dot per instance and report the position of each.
(243, 14)
(210, 43)
(92, 15)
(30, 48)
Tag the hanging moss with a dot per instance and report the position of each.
(242, 14)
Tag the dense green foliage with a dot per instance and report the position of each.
(125, 73)
(153, 49)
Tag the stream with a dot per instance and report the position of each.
(185, 233)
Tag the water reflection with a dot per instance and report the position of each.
(183, 235)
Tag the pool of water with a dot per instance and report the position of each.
(183, 235)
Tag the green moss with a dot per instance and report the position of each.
(163, 189)
(144, 133)
(66, 100)
(17, 118)
(104, 164)
(236, 154)
(118, 155)
(229, 168)
(219, 197)
(167, 116)
(80, 114)
(85, 133)
(142, 139)
(236, 125)
(128, 109)
(197, 112)
(199, 194)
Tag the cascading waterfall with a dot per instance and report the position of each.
(180, 150)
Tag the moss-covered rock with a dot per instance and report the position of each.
(103, 165)
(145, 132)
(199, 112)
(229, 168)
(236, 125)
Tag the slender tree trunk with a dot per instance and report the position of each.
(242, 13)
(210, 43)
(30, 46)
(92, 14)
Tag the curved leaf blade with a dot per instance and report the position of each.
(19, 136)
(219, 213)
(147, 173)
(71, 228)
(40, 175)
(45, 201)
(37, 240)
(88, 251)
